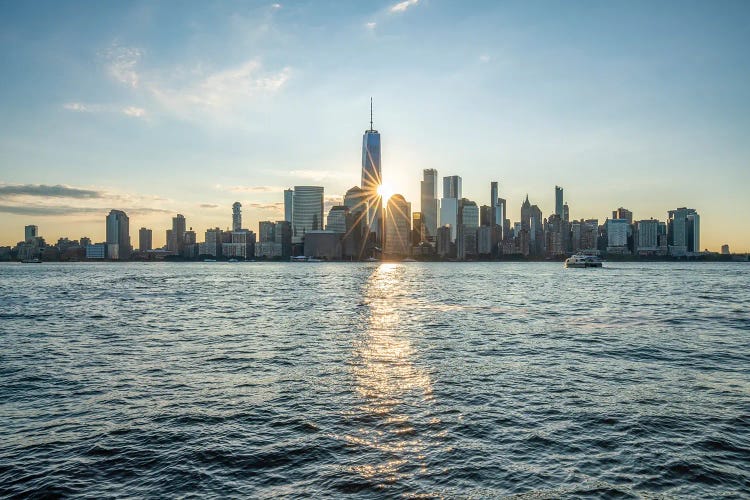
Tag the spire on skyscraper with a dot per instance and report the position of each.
(371, 113)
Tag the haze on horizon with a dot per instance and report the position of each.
(158, 109)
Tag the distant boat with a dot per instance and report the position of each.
(209, 260)
(31, 261)
(581, 261)
(313, 259)
(371, 259)
(233, 260)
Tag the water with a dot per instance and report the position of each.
(268, 380)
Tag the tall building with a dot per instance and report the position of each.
(623, 213)
(496, 213)
(566, 213)
(145, 241)
(418, 234)
(176, 238)
(118, 235)
(266, 231)
(212, 244)
(617, 236)
(30, 232)
(559, 201)
(236, 216)
(683, 231)
(355, 200)
(647, 236)
(288, 204)
(429, 203)
(372, 177)
(307, 211)
(336, 220)
(449, 215)
(398, 227)
(452, 187)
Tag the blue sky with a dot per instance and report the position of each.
(159, 108)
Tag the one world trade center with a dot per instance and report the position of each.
(371, 178)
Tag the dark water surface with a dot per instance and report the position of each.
(268, 380)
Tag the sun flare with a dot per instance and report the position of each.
(385, 192)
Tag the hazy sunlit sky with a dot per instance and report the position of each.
(165, 107)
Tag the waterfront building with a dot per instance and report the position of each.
(336, 220)
(429, 203)
(30, 232)
(683, 231)
(617, 236)
(241, 245)
(266, 231)
(176, 236)
(118, 235)
(307, 213)
(97, 251)
(559, 201)
(288, 204)
(323, 245)
(283, 238)
(444, 242)
(418, 233)
(212, 243)
(466, 231)
(398, 227)
(355, 200)
(372, 177)
(566, 213)
(536, 231)
(724, 249)
(145, 241)
(555, 236)
(485, 243)
(647, 237)
(236, 216)
(485, 215)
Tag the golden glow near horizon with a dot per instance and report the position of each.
(385, 192)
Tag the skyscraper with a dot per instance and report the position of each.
(559, 201)
(118, 235)
(144, 239)
(371, 177)
(336, 220)
(429, 203)
(452, 187)
(30, 232)
(623, 213)
(398, 227)
(307, 211)
(355, 200)
(495, 216)
(236, 216)
(288, 204)
(176, 237)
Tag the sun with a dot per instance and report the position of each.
(385, 192)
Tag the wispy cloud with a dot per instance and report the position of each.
(371, 25)
(80, 107)
(402, 6)
(56, 210)
(42, 190)
(122, 64)
(276, 6)
(267, 207)
(208, 205)
(484, 58)
(252, 189)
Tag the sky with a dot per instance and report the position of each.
(158, 108)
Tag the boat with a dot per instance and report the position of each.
(31, 261)
(580, 260)
(232, 260)
(209, 260)
(371, 259)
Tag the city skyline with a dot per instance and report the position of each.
(154, 129)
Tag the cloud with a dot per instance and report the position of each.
(122, 62)
(222, 92)
(80, 107)
(371, 25)
(57, 210)
(253, 189)
(402, 6)
(134, 112)
(270, 207)
(208, 205)
(484, 58)
(276, 6)
(57, 191)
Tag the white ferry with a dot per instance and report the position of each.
(583, 260)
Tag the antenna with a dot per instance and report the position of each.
(370, 113)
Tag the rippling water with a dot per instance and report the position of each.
(268, 380)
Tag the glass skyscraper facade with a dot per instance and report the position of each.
(429, 203)
(307, 211)
(371, 178)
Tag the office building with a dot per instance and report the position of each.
(452, 187)
(449, 215)
(307, 212)
(176, 236)
(429, 203)
(236, 216)
(323, 245)
(398, 227)
(371, 177)
(617, 236)
(623, 213)
(30, 232)
(288, 204)
(266, 231)
(145, 241)
(212, 243)
(418, 233)
(683, 231)
(355, 200)
(118, 235)
(559, 201)
(241, 244)
(336, 220)
(647, 236)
